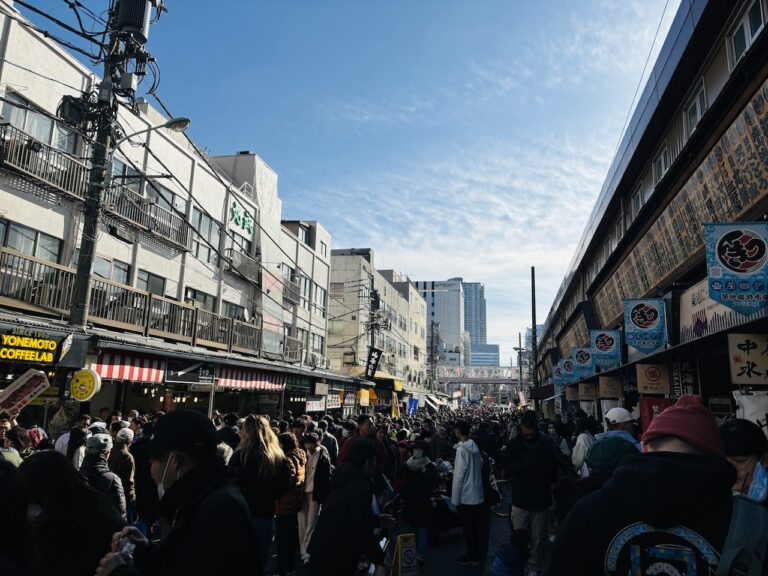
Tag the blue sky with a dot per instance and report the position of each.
(455, 138)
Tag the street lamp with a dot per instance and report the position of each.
(98, 182)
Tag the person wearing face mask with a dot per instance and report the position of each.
(746, 449)
(420, 478)
(205, 521)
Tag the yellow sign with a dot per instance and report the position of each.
(364, 397)
(395, 406)
(406, 559)
(85, 384)
(27, 349)
(610, 387)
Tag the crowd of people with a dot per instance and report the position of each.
(181, 493)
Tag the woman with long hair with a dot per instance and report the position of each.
(76, 446)
(71, 523)
(289, 506)
(263, 477)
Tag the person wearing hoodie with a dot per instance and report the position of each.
(620, 424)
(666, 511)
(467, 496)
(420, 478)
(345, 528)
(584, 441)
(531, 461)
(97, 472)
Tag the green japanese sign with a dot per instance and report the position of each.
(240, 217)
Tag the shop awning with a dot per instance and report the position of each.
(242, 379)
(553, 397)
(359, 372)
(432, 402)
(120, 366)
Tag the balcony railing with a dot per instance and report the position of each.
(49, 167)
(34, 284)
(291, 292)
(55, 170)
(292, 349)
(241, 265)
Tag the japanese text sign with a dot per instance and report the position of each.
(645, 326)
(748, 357)
(583, 365)
(652, 378)
(606, 348)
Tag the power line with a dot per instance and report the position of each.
(39, 75)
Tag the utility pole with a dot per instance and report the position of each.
(534, 344)
(128, 24)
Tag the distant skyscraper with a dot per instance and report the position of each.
(485, 355)
(474, 312)
(445, 309)
(529, 335)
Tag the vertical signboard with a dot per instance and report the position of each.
(583, 365)
(606, 349)
(645, 326)
(748, 358)
(736, 265)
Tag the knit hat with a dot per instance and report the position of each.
(690, 421)
(125, 436)
(98, 444)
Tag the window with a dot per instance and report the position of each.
(304, 234)
(318, 343)
(232, 310)
(150, 283)
(306, 292)
(323, 249)
(22, 115)
(696, 108)
(205, 240)
(287, 273)
(415, 352)
(618, 232)
(166, 199)
(126, 176)
(200, 300)
(101, 267)
(637, 201)
(660, 164)
(121, 272)
(240, 244)
(319, 301)
(745, 31)
(32, 242)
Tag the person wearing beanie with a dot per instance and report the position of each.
(120, 461)
(675, 496)
(205, 521)
(746, 447)
(96, 471)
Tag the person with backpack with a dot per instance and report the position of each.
(467, 495)
(667, 511)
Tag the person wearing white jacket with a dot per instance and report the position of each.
(467, 496)
(584, 442)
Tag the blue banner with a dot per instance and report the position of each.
(736, 265)
(557, 375)
(583, 364)
(413, 404)
(566, 369)
(606, 348)
(645, 324)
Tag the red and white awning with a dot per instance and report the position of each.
(121, 366)
(244, 379)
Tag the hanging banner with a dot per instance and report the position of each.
(566, 371)
(85, 385)
(736, 265)
(395, 406)
(652, 378)
(645, 326)
(610, 387)
(572, 393)
(583, 365)
(374, 355)
(606, 349)
(413, 404)
(587, 392)
(557, 376)
(748, 358)
(364, 398)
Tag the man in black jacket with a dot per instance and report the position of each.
(229, 434)
(209, 528)
(666, 511)
(531, 460)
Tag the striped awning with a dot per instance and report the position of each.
(245, 379)
(120, 366)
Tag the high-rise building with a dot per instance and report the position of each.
(445, 318)
(474, 312)
(485, 355)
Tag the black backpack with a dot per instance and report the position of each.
(491, 492)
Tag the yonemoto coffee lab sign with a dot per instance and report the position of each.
(29, 348)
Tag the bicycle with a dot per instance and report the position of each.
(503, 508)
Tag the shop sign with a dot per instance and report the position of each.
(737, 274)
(748, 356)
(587, 392)
(720, 406)
(27, 349)
(413, 405)
(406, 559)
(645, 326)
(22, 390)
(321, 389)
(572, 393)
(650, 408)
(395, 406)
(240, 219)
(200, 387)
(683, 378)
(332, 401)
(189, 372)
(350, 400)
(606, 348)
(316, 404)
(85, 385)
(609, 386)
(652, 378)
(374, 355)
(583, 363)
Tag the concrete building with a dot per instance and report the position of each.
(475, 312)
(485, 355)
(693, 154)
(187, 270)
(398, 327)
(445, 314)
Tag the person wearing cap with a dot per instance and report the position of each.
(121, 462)
(620, 424)
(205, 521)
(317, 484)
(666, 511)
(97, 472)
(746, 447)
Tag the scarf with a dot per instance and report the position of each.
(417, 464)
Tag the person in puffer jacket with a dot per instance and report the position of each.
(467, 495)
(288, 507)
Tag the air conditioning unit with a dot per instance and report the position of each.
(316, 360)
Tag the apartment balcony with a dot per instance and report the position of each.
(59, 173)
(291, 293)
(292, 349)
(41, 287)
(241, 265)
